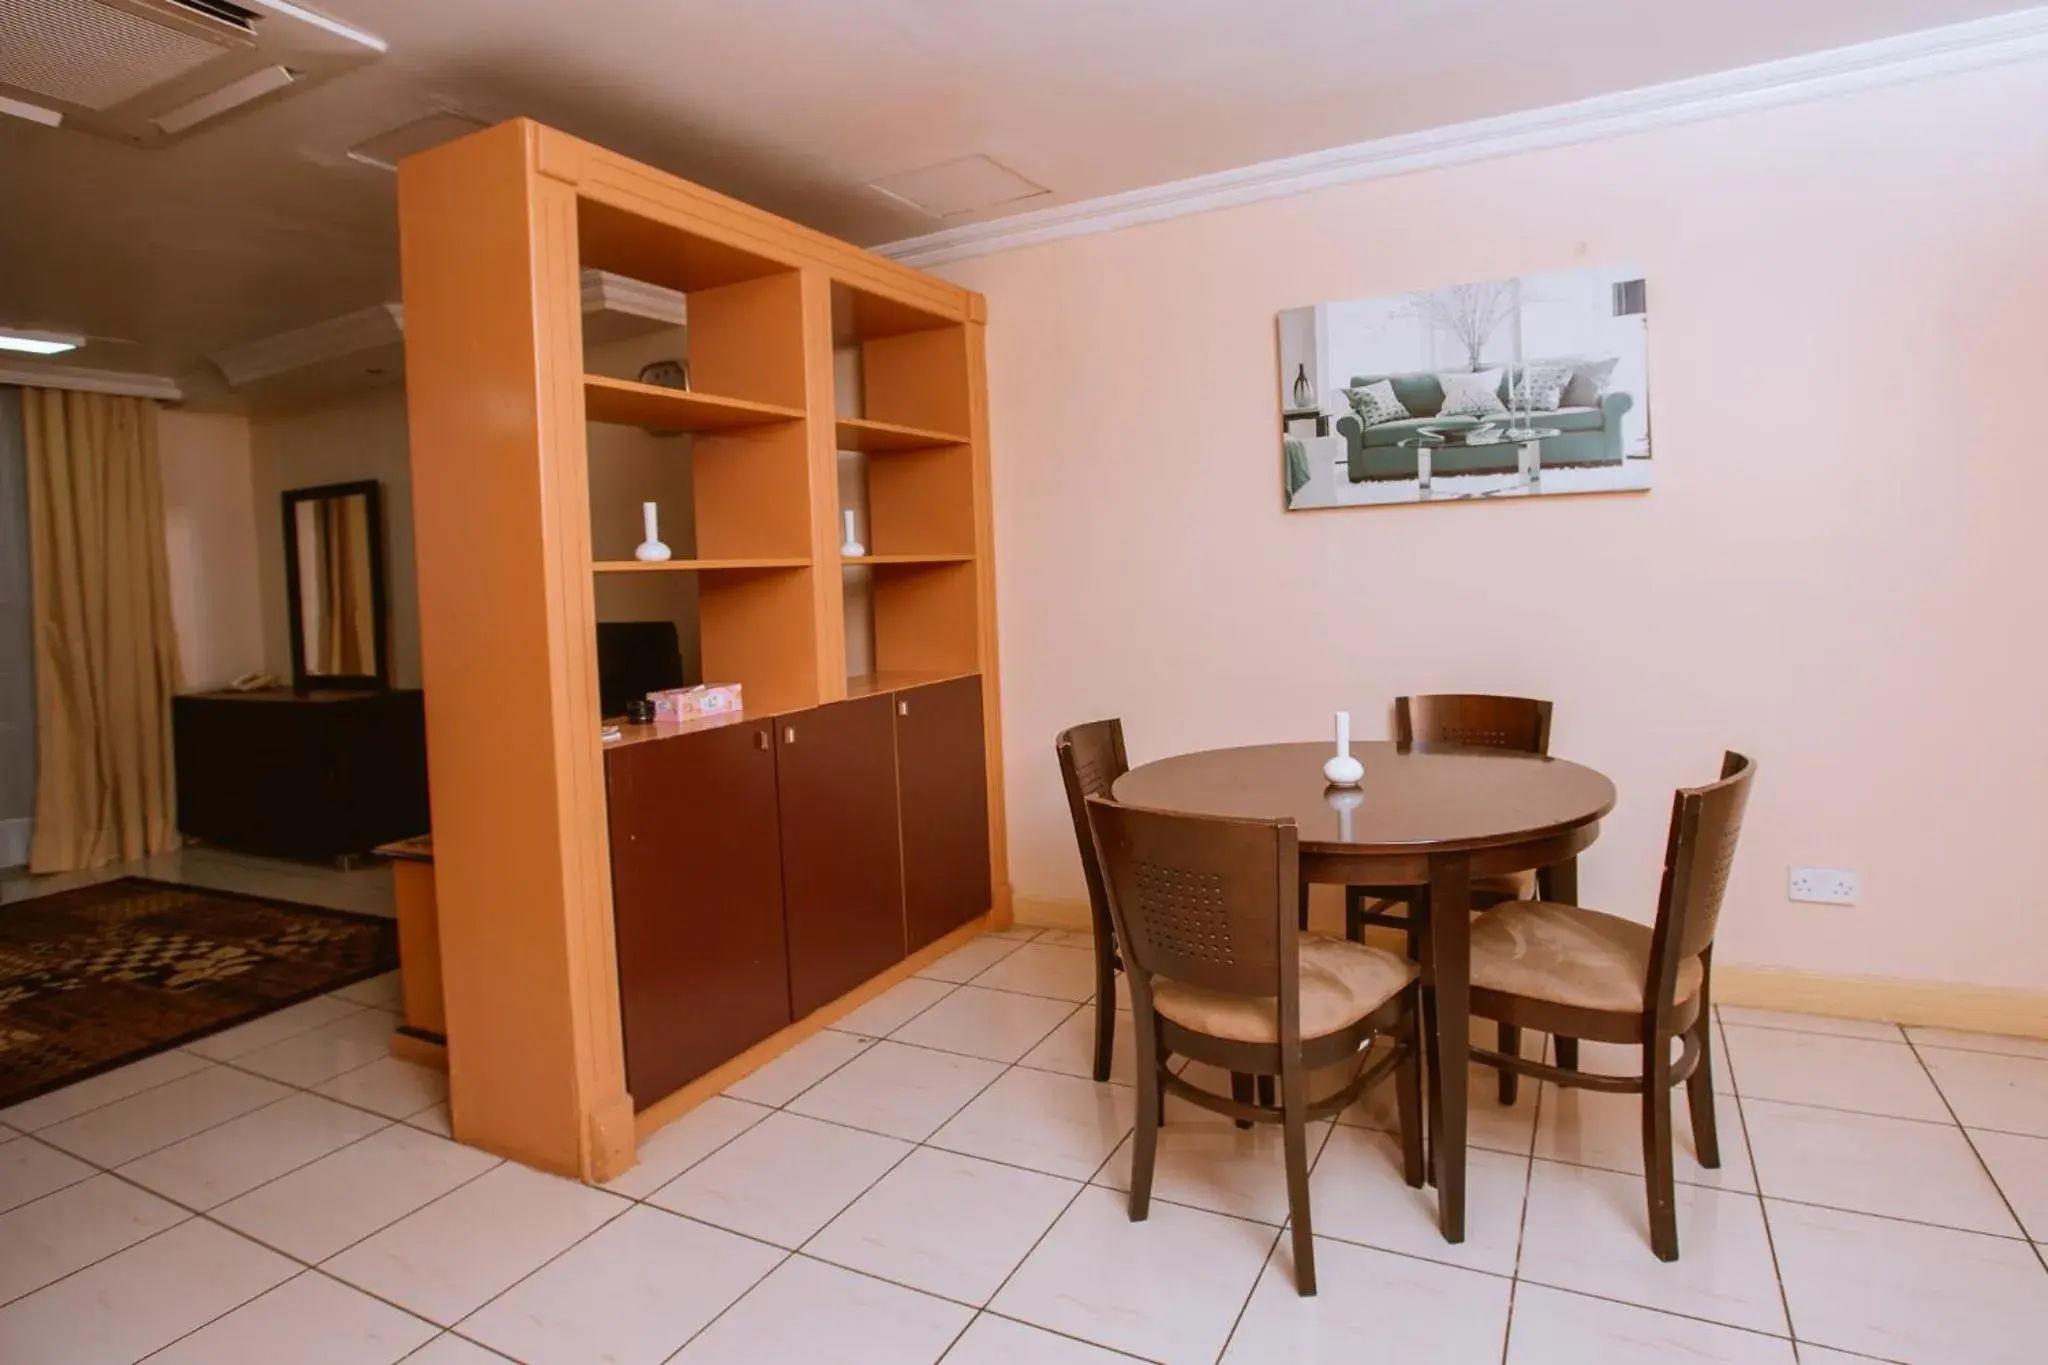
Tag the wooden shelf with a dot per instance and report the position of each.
(649, 405)
(875, 438)
(905, 559)
(696, 565)
(899, 679)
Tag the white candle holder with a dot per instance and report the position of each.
(852, 549)
(1343, 770)
(650, 550)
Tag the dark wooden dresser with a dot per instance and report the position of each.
(318, 775)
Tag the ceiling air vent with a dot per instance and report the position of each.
(149, 71)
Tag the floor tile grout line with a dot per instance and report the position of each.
(836, 1026)
(1982, 1164)
(953, 1052)
(1046, 1232)
(1117, 1351)
(1814, 1032)
(1540, 1283)
(1756, 1175)
(1507, 1332)
(865, 1190)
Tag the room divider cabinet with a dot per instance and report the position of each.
(697, 893)
(525, 446)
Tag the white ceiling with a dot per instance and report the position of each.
(261, 224)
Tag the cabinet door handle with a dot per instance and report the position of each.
(902, 708)
(760, 739)
(789, 734)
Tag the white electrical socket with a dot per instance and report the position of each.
(1822, 885)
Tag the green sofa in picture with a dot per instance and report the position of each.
(1589, 435)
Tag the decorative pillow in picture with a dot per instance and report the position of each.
(1589, 383)
(1376, 404)
(1542, 387)
(1471, 395)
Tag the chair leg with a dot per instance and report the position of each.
(1657, 1164)
(1567, 1053)
(1105, 1002)
(1151, 1109)
(1699, 1097)
(1354, 913)
(1241, 1091)
(1301, 910)
(1511, 1045)
(1294, 1134)
(1408, 1101)
(1266, 1091)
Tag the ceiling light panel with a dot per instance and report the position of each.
(38, 343)
(962, 185)
(388, 148)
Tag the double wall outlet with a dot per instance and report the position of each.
(1822, 885)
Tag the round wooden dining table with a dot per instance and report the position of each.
(1423, 815)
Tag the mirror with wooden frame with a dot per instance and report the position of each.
(334, 585)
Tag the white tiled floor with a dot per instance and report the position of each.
(951, 1193)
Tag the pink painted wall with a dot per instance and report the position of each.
(1842, 569)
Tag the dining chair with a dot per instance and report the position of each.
(1563, 969)
(1220, 972)
(1519, 724)
(1091, 760)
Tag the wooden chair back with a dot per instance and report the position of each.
(1705, 824)
(1203, 901)
(1091, 760)
(1518, 723)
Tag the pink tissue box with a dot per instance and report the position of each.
(690, 703)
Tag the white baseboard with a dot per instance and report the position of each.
(1893, 1000)
(14, 836)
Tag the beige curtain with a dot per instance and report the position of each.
(106, 660)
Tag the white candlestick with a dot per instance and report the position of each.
(1343, 770)
(852, 549)
(650, 550)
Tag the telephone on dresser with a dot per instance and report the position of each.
(255, 682)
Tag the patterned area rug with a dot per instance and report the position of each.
(100, 975)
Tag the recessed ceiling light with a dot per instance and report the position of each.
(962, 185)
(39, 343)
(388, 148)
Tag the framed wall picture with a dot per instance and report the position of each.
(1503, 389)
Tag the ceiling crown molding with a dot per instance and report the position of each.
(1838, 71)
(366, 329)
(84, 380)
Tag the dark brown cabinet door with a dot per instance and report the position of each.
(842, 881)
(942, 772)
(697, 897)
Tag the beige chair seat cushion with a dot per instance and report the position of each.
(1519, 886)
(1341, 983)
(1569, 956)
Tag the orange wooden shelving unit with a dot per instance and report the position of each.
(495, 229)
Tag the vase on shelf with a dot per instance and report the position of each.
(1304, 387)
(1342, 770)
(852, 548)
(650, 550)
